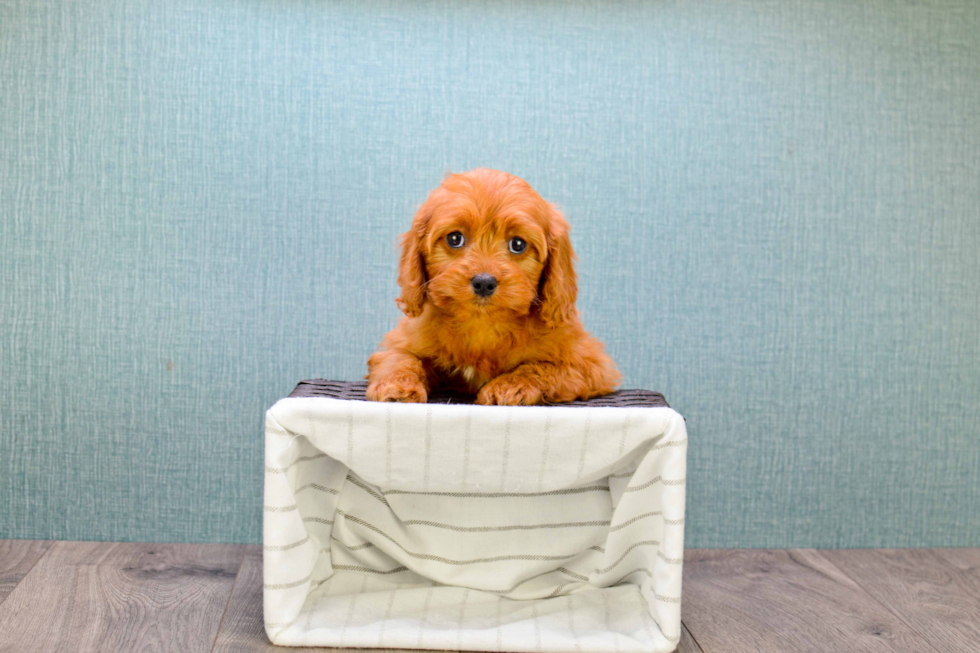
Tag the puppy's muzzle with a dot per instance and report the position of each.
(484, 285)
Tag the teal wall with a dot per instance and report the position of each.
(776, 208)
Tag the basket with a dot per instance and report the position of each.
(454, 526)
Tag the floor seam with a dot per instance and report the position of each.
(231, 594)
(867, 591)
(691, 634)
(50, 546)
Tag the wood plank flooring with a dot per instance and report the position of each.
(86, 596)
(92, 596)
(17, 557)
(935, 591)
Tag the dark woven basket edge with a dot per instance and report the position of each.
(355, 391)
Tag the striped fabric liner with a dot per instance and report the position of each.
(452, 526)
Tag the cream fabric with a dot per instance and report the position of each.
(473, 527)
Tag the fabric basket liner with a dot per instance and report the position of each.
(453, 526)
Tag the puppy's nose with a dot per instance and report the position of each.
(484, 285)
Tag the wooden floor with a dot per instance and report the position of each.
(86, 596)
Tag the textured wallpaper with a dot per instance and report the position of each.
(776, 208)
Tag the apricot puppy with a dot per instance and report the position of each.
(488, 292)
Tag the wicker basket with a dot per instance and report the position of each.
(459, 527)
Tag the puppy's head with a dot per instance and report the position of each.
(485, 243)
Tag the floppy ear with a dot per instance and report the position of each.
(557, 288)
(411, 269)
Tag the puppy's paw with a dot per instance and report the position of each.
(403, 386)
(509, 390)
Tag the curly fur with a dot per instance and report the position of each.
(522, 345)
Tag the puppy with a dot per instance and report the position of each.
(488, 291)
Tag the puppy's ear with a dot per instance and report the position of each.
(411, 269)
(558, 288)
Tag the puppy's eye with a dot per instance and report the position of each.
(455, 240)
(517, 245)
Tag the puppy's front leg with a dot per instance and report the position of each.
(397, 375)
(536, 382)
(529, 384)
